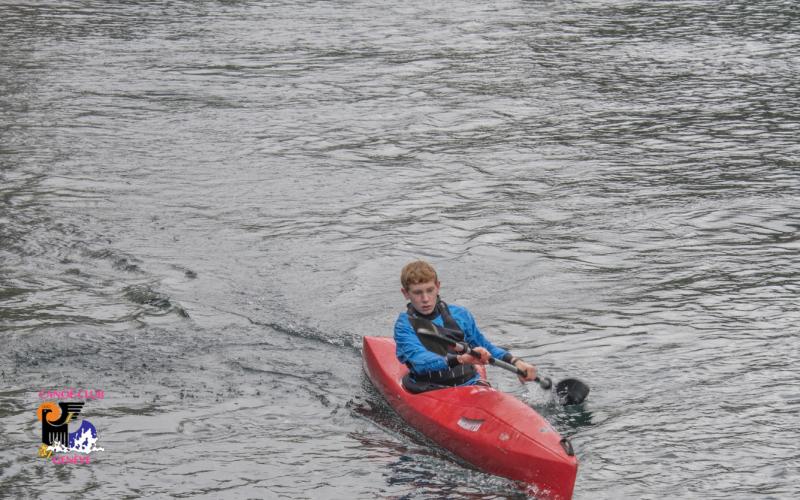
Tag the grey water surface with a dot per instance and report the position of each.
(205, 205)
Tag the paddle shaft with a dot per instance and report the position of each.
(508, 366)
(464, 348)
(544, 383)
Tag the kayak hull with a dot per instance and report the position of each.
(488, 428)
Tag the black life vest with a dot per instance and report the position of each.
(456, 375)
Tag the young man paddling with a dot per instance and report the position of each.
(419, 334)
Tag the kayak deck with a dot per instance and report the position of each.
(488, 428)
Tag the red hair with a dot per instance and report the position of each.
(417, 272)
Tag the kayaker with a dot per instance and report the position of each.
(433, 364)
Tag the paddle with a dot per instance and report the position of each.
(570, 391)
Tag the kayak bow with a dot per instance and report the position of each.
(490, 429)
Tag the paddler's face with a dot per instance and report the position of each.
(422, 296)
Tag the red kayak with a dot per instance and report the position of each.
(492, 430)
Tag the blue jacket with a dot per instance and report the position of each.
(410, 350)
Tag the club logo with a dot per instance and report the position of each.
(59, 444)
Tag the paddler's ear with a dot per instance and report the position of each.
(405, 293)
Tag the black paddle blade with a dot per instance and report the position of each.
(571, 391)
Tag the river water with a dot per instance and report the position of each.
(204, 206)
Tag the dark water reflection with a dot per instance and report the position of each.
(205, 205)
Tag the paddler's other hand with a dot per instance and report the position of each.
(529, 369)
(478, 356)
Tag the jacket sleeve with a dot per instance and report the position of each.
(411, 351)
(475, 337)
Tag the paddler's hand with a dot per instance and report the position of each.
(529, 369)
(478, 356)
